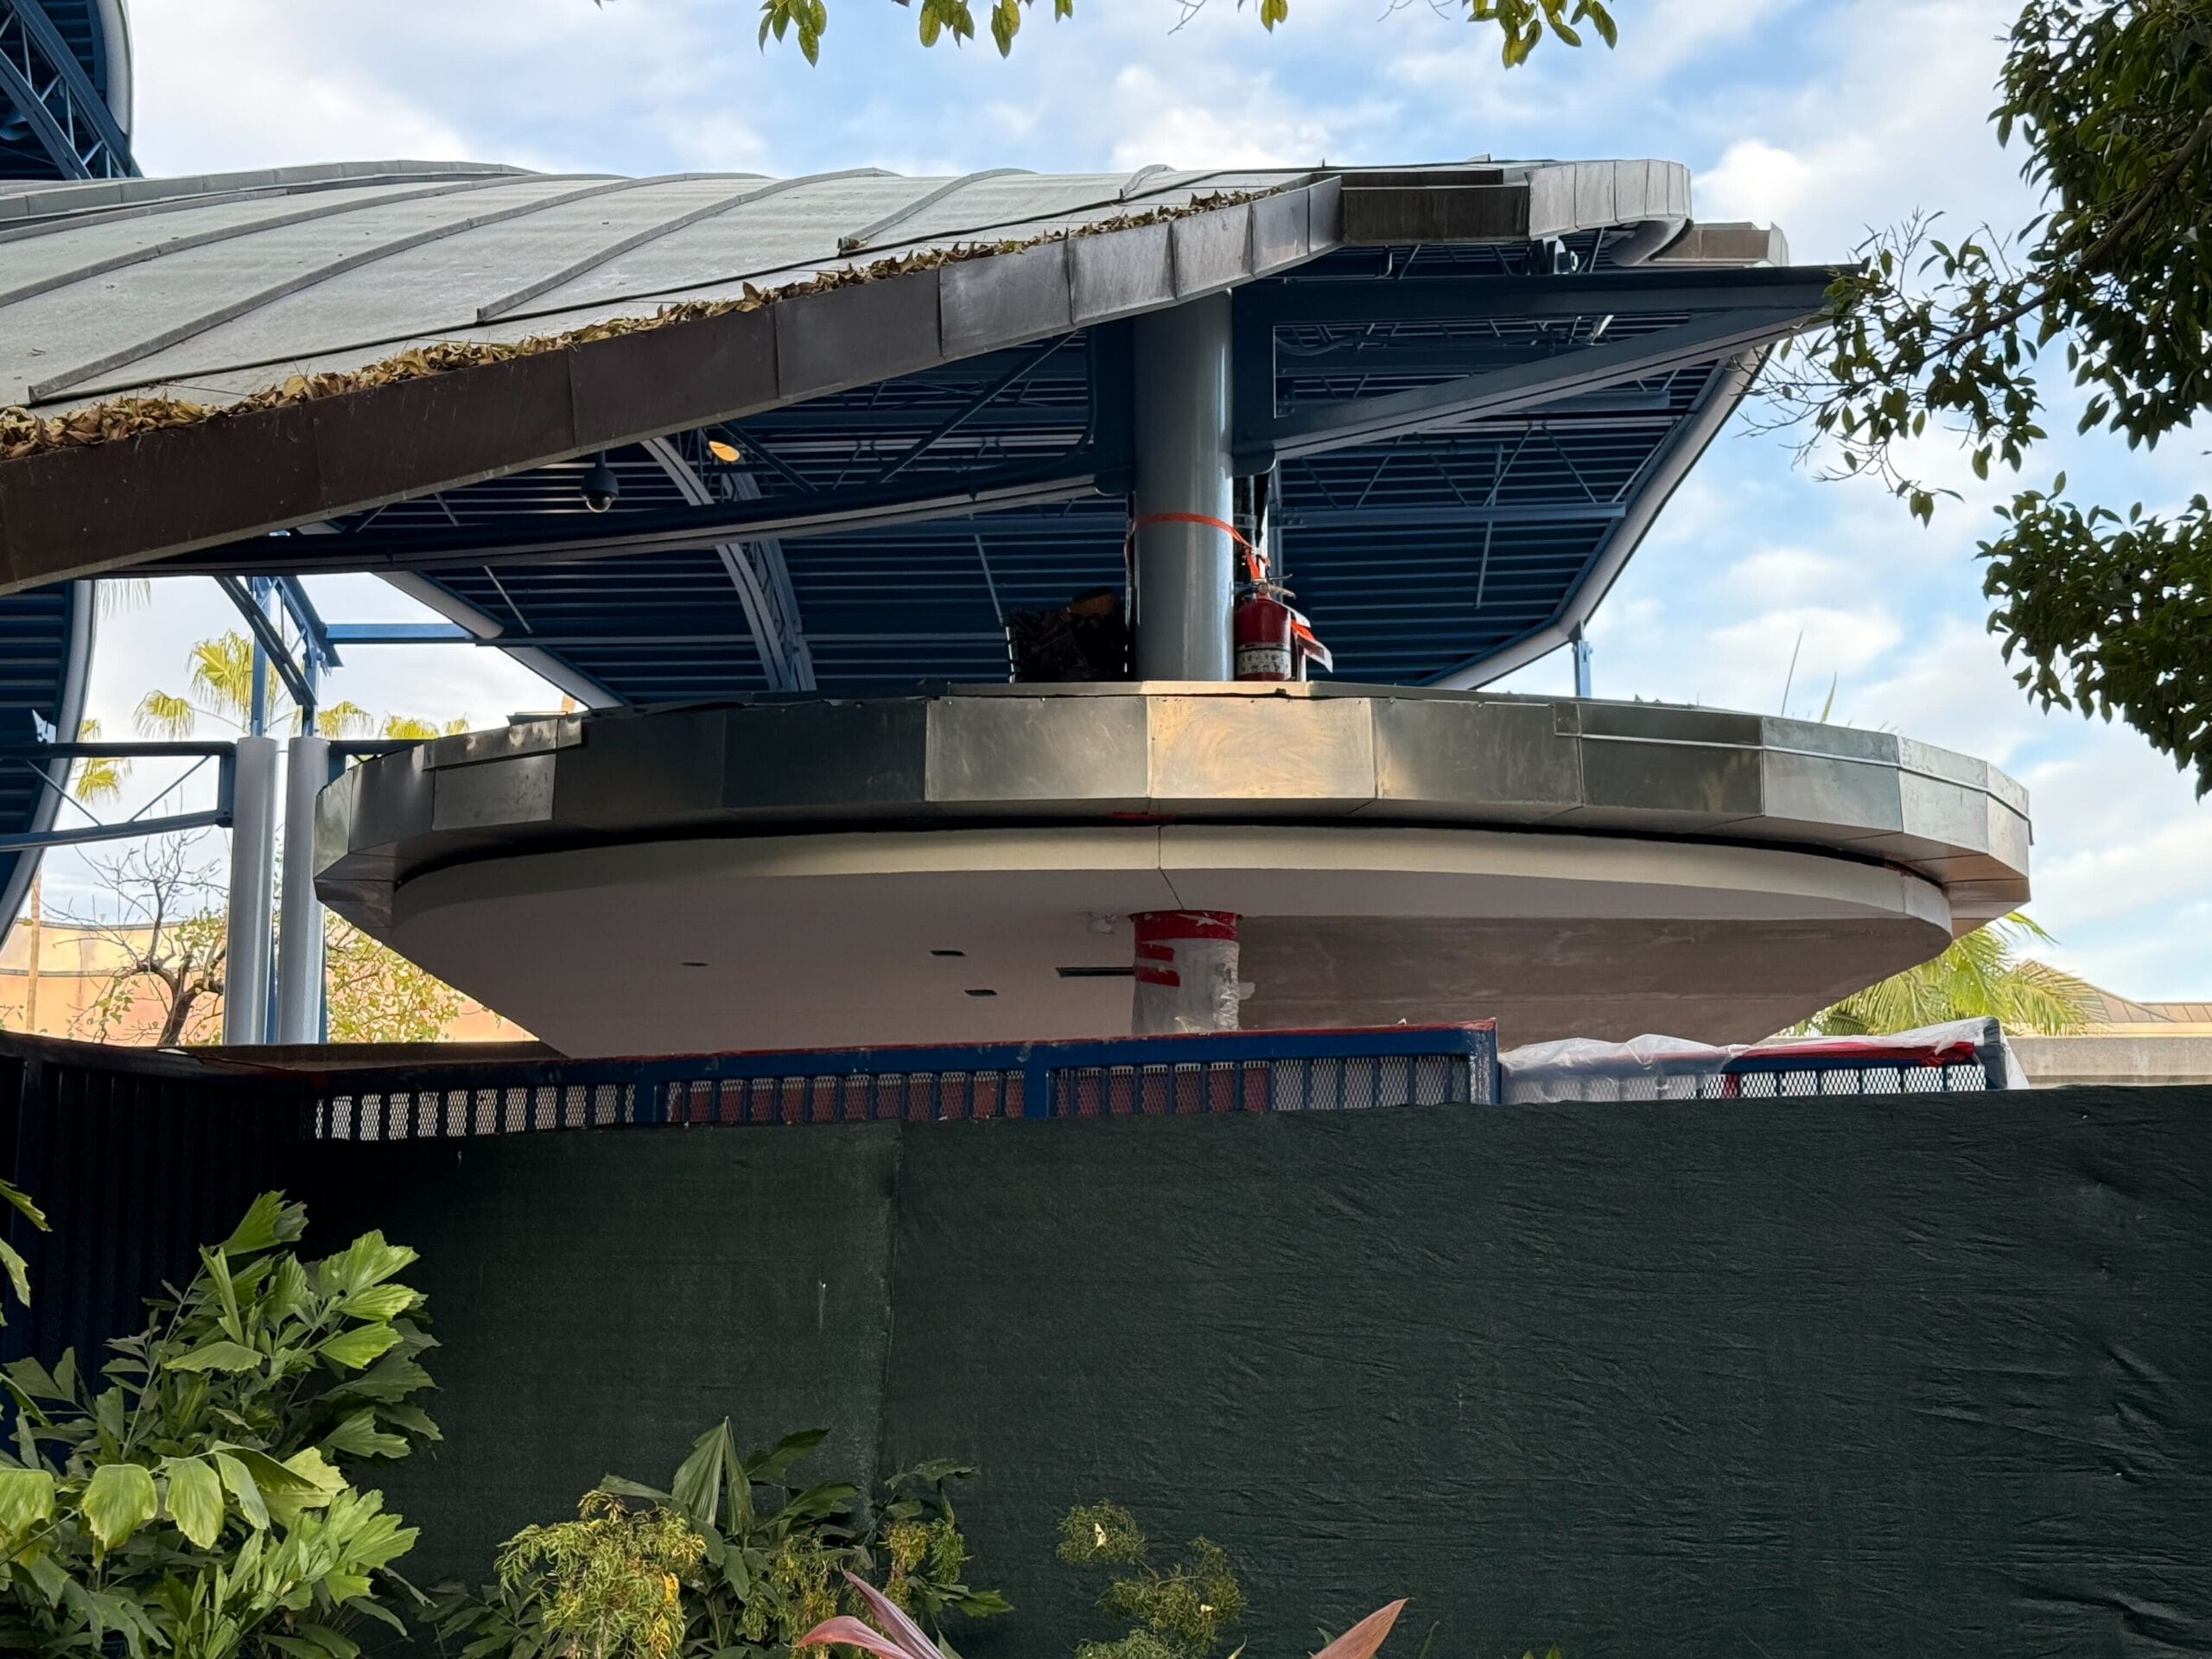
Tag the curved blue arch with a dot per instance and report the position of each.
(46, 637)
(65, 89)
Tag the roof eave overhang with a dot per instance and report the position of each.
(93, 510)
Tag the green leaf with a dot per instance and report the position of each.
(358, 1436)
(196, 1499)
(413, 1419)
(268, 1221)
(217, 1354)
(118, 1501)
(19, 1274)
(360, 1346)
(379, 1302)
(19, 1201)
(242, 1486)
(698, 1484)
(26, 1499)
(367, 1261)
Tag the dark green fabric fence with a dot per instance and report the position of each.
(1861, 1377)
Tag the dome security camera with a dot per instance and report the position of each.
(599, 485)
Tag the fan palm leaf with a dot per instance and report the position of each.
(100, 778)
(1980, 974)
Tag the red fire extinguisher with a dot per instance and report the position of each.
(1262, 630)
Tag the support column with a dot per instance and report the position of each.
(1184, 573)
(1185, 971)
(1582, 662)
(299, 946)
(253, 834)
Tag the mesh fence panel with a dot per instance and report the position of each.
(1093, 1083)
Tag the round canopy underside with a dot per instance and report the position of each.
(987, 934)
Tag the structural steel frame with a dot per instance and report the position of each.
(42, 76)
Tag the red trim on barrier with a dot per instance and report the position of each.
(1153, 926)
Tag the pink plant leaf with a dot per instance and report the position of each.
(850, 1632)
(908, 1634)
(1364, 1639)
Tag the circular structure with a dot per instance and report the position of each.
(958, 865)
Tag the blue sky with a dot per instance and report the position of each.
(1824, 118)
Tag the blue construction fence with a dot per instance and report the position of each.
(1177, 1076)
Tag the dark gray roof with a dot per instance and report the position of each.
(211, 286)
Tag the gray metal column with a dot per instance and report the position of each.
(299, 946)
(1185, 573)
(253, 834)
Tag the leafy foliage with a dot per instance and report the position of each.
(771, 1555)
(1980, 974)
(2110, 612)
(1522, 25)
(11, 1259)
(607, 1581)
(193, 1503)
(1176, 1613)
(100, 778)
(377, 995)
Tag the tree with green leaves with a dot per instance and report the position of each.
(220, 686)
(2106, 608)
(1522, 25)
(1980, 974)
(195, 1501)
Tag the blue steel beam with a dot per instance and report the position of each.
(1313, 427)
(1639, 291)
(1068, 478)
(270, 639)
(42, 76)
(406, 634)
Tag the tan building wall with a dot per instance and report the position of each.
(77, 965)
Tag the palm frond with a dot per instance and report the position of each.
(1980, 974)
(343, 719)
(122, 594)
(222, 673)
(162, 714)
(100, 778)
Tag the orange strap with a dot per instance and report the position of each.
(1255, 562)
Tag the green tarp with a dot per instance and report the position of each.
(1856, 1377)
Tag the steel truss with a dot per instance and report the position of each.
(42, 76)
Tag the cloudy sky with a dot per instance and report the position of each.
(1824, 117)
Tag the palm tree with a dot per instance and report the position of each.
(99, 779)
(221, 677)
(1982, 973)
(347, 719)
(412, 730)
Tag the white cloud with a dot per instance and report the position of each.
(1251, 126)
(1785, 576)
(1755, 180)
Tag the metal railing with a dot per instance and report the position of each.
(1967, 1058)
(1219, 1072)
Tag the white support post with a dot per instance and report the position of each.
(299, 944)
(253, 834)
(1185, 571)
(1185, 970)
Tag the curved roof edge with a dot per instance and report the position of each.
(1075, 754)
(845, 321)
(18, 869)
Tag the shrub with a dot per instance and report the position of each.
(195, 1503)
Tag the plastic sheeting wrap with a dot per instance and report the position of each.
(1882, 1376)
(1652, 1067)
